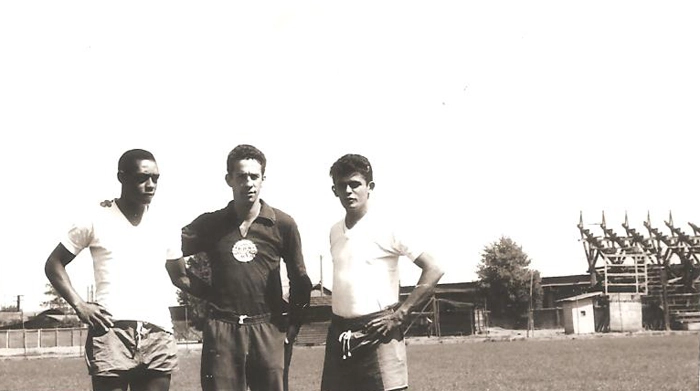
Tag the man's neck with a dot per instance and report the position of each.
(132, 211)
(352, 217)
(246, 211)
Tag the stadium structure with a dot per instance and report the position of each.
(647, 279)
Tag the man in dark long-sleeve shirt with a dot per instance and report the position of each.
(244, 338)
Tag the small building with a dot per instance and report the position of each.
(578, 313)
(47, 319)
(625, 312)
(452, 310)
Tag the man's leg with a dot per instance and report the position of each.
(332, 377)
(223, 356)
(151, 381)
(109, 357)
(109, 383)
(288, 347)
(158, 352)
(265, 370)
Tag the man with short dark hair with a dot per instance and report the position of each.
(365, 349)
(244, 335)
(130, 341)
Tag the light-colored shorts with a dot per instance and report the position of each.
(351, 363)
(130, 346)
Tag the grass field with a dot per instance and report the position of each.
(624, 363)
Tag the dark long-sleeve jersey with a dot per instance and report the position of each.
(245, 275)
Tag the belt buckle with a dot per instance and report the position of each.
(241, 318)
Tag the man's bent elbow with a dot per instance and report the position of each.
(50, 268)
(431, 268)
(439, 271)
(181, 282)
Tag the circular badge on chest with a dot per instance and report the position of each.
(244, 250)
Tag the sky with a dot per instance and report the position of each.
(481, 120)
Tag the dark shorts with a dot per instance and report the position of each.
(236, 356)
(351, 363)
(130, 346)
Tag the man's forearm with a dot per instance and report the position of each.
(65, 289)
(299, 298)
(431, 274)
(193, 285)
(59, 279)
(429, 278)
(420, 293)
(187, 281)
(197, 287)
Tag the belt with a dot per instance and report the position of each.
(134, 324)
(356, 323)
(240, 319)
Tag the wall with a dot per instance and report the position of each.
(579, 316)
(41, 338)
(625, 312)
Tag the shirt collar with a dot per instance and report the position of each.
(266, 212)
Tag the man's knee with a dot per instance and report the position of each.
(151, 381)
(110, 383)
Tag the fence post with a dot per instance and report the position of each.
(38, 338)
(56, 339)
(556, 312)
(7, 339)
(187, 329)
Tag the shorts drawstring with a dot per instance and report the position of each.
(344, 340)
(140, 333)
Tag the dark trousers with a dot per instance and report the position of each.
(287, 362)
(236, 356)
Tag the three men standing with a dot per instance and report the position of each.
(247, 339)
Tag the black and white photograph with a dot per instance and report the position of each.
(365, 196)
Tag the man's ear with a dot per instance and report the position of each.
(120, 176)
(334, 192)
(228, 180)
(371, 185)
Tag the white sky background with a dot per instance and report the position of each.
(504, 118)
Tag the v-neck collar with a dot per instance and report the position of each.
(359, 223)
(266, 213)
(121, 213)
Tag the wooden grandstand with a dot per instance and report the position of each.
(663, 268)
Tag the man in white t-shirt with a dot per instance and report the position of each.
(365, 349)
(130, 343)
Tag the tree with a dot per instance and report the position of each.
(9, 308)
(54, 299)
(504, 279)
(198, 265)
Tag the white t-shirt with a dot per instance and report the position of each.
(365, 265)
(128, 262)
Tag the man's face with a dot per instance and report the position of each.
(353, 191)
(139, 184)
(246, 180)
